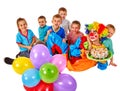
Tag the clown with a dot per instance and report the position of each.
(96, 50)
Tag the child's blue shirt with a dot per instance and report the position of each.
(24, 40)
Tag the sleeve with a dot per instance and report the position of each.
(18, 38)
(109, 45)
(69, 26)
(31, 33)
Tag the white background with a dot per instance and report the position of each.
(86, 11)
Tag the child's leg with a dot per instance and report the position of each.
(9, 61)
(24, 54)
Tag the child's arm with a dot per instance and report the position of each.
(24, 46)
(33, 41)
(48, 32)
(112, 63)
(109, 45)
(30, 46)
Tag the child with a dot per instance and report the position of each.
(42, 30)
(55, 36)
(108, 42)
(25, 39)
(65, 23)
(55, 28)
(74, 41)
(75, 32)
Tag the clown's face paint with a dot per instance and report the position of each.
(93, 35)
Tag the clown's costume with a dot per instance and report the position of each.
(98, 51)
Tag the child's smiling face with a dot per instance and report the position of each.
(63, 14)
(56, 22)
(22, 25)
(75, 28)
(111, 31)
(42, 22)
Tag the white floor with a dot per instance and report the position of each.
(86, 11)
(89, 80)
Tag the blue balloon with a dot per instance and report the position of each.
(31, 77)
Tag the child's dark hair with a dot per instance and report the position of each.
(76, 22)
(42, 17)
(62, 9)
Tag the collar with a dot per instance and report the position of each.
(43, 26)
(55, 30)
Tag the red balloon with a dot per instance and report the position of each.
(29, 88)
(42, 86)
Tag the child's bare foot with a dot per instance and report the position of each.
(113, 64)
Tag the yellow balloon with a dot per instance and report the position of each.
(21, 64)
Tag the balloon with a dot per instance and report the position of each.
(60, 61)
(31, 77)
(21, 64)
(65, 82)
(42, 86)
(39, 55)
(45, 86)
(29, 88)
(49, 72)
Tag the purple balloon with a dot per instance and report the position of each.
(65, 82)
(39, 55)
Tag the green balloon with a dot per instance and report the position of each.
(49, 73)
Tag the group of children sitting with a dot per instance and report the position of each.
(64, 37)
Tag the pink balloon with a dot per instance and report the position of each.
(60, 61)
(39, 55)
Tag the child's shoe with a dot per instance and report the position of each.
(8, 60)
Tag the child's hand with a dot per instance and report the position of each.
(29, 47)
(64, 40)
(49, 31)
(113, 64)
(87, 52)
